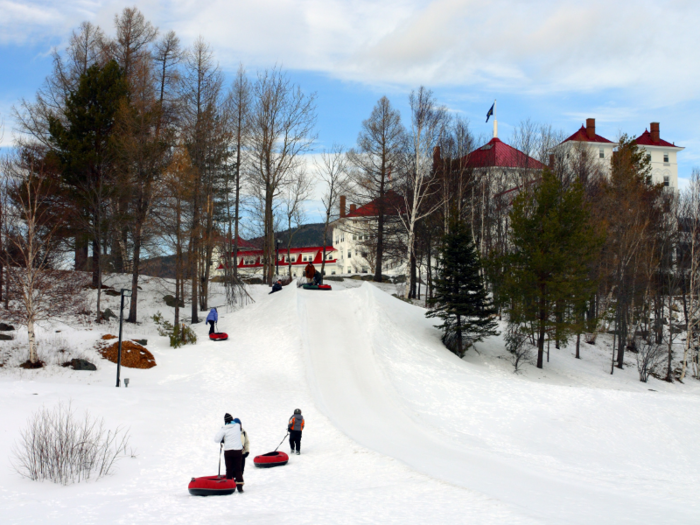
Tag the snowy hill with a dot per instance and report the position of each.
(399, 430)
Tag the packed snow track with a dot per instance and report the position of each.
(376, 366)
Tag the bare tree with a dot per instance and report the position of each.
(34, 216)
(428, 121)
(332, 172)
(281, 130)
(376, 160)
(240, 101)
(689, 262)
(207, 136)
(295, 193)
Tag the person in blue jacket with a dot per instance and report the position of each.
(277, 286)
(212, 319)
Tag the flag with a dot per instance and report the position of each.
(490, 113)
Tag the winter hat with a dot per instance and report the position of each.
(236, 420)
(228, 418)
(297, 410)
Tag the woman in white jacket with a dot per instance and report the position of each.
(230, 436)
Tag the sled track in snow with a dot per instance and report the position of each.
(348, 380)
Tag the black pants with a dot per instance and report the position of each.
(243, 462)
(234, 468)
(211, 327)
(295, 439)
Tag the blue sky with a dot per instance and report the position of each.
(625, 63)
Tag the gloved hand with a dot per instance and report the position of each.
(246, 454)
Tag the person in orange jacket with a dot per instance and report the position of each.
(296, 425)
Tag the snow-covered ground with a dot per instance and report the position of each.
(398, 429)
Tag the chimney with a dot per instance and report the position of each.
(353, 207)
(342, 206)
(590, 128)
(654, 127)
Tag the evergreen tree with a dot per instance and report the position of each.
(460, 298)
(547, 275)
(82, 142)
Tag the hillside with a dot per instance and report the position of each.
(398, 430)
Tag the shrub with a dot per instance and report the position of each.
(179, 335)
(59, 447)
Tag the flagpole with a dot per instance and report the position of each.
(495, 119)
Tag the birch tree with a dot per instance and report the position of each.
(32, 234)
(428, 121)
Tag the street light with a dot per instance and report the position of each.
(277, 257)
(124, 293)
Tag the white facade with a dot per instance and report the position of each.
(664, 164)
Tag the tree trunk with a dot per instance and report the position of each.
(542, 327)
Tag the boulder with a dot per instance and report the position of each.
(171, 302)
(112, 293)
(143, 342)
(109, 314)
(6, 327)
(6, 337)
(82, 364)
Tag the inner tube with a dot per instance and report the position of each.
(218, 336)
(317, 287)
(212, 486)
(271, 459)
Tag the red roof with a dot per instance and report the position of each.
(497, 153)
(392, 203)
(582, 136)
(645, 140)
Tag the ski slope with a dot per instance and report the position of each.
(398, 429)
(380, 382)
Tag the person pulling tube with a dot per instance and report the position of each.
(230, 437)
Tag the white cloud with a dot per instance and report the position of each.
(647, 46)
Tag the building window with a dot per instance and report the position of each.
(666, 158)
(333, 272)
(601, 153)
(364, 270)
(649, 157)
(349, 255)
(354, 237)
(349, 270)
(667, 180)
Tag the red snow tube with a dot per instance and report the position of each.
(317, 287)
(271, 459)
(218, 336)
(212, 486)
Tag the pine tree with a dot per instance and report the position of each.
(547, 275)
(460, 298)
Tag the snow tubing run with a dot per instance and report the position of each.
(271, 459)
(212, 486)
(220, 336)
(317, 287)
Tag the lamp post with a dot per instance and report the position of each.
(125, 293)
(277, 257)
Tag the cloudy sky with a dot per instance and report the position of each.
(625, 63)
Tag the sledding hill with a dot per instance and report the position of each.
(398, 429)
(381, 375)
